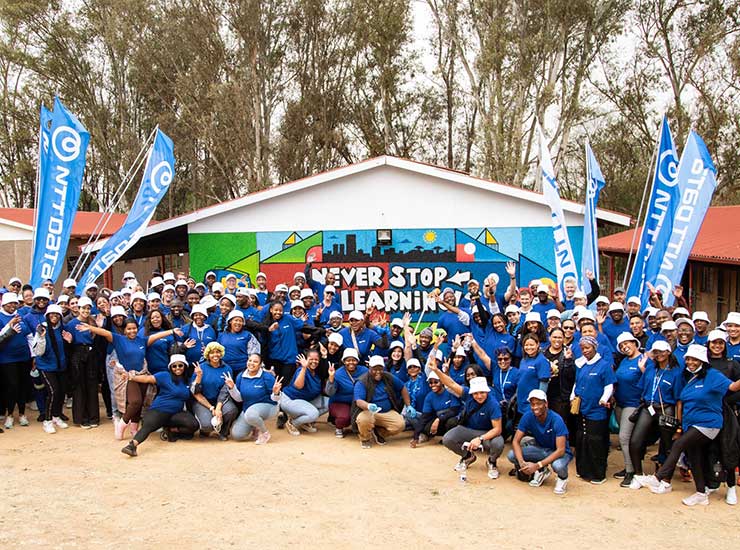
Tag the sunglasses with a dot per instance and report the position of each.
(568, 328)
(503, 359)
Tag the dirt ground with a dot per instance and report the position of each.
(74, 489)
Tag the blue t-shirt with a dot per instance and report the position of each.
(702, 400)
(629, 382)
(505, 383)
(418, 389)
(311, 386)
(451, 324)
(202, 339)
(479, 417)
(171, 397)
(212, 379)
(532, 370)
(365, 341)
(48, 361)
(612, 331)
(458, 375)
(79, 337)
(590, 381)
(131, 353)
(380, 397)
(661, 383)
(158, 353)
(16, 347)
(733, 351)
(345, 384)
(545, 433)
(256, 390)
(437, 402)
(239, 346)
(282, 342)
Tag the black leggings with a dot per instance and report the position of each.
(645, 433)
(54, 394)
(284, 370)
(12, 377)
(154, 419)
(694, 444)
(84, 369)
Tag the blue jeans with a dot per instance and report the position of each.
(533, 453)
(253, 417)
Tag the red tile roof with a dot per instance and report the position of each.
(718, 240)
(84, 224)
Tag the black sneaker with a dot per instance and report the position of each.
(379, 439)
(620, 474)
(40, 418)
(281, 420)
(512, 472)
(129, 449)
(627, 481)
(64, 417)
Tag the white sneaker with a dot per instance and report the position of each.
(635, 483)
(539, 477)
(710, 490)
(291, 429)
(697, 498)
(33, 406)
(23, 420)
(561, 486)
(68, 403)
(648, 481)
(310, 428)
(731, 497)
(662, 488)
(460, 466)
(8, 422)
(339, 433)
(493, 472)
(59, 422)
(49, 427)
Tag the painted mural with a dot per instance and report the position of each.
(396, 277)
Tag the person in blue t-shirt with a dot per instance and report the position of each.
(416, 386)
(168, 408)
(438, 413)
(238, 343)
(83, 363)
(301, 399)
(258, 391)
(593, 388)
(379, 397)
(479, 423)
(550, 445)
(211, 407)
(701, 422)
(15, 358)
(363, 339)
(534, 372)
(662, 382)
(340, 388)
(627, 397)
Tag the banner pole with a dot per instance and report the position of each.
(653, 164)
(36, 191)
(114, 202)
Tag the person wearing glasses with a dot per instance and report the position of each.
(168, 408)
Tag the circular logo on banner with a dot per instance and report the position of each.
(161, 176)
(667, 169)
(66, 143)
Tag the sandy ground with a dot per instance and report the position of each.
(75, 489)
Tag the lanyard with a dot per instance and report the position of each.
(656, 382)
(502, 383)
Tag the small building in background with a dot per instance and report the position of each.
(711, 279)
(392, 230)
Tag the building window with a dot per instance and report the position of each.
(384, 237)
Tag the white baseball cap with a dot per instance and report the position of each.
(180, 282)
(542, 288)
(668, 325)
(660, 345)
(511, 308)
(533, 316)
(700, 316)
(335, 315)
(127, 275)
(260, 274)
(41, 292)
(210, 274)
(231, 298)
(84, 301)
(117, 310)
(231, 276)
(413, 362)
(697, 351)
(478, 384)
(681, 311)
(601, 300)
(63, 298)
(395, 344)
(10, 298)
(537, 394)
(156, 281)
(350, 352)
(168, 287)
(69, 283)
(377, 361)
(634, 300)
(586, 314)
(336, 338)
(299, 275)
(355, 315)
(330, 289)
(14, 280)
(685, 321)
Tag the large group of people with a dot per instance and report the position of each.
(552, 374)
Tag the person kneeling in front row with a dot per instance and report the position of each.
(378, 395)
(549, 448)
(479, 423)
